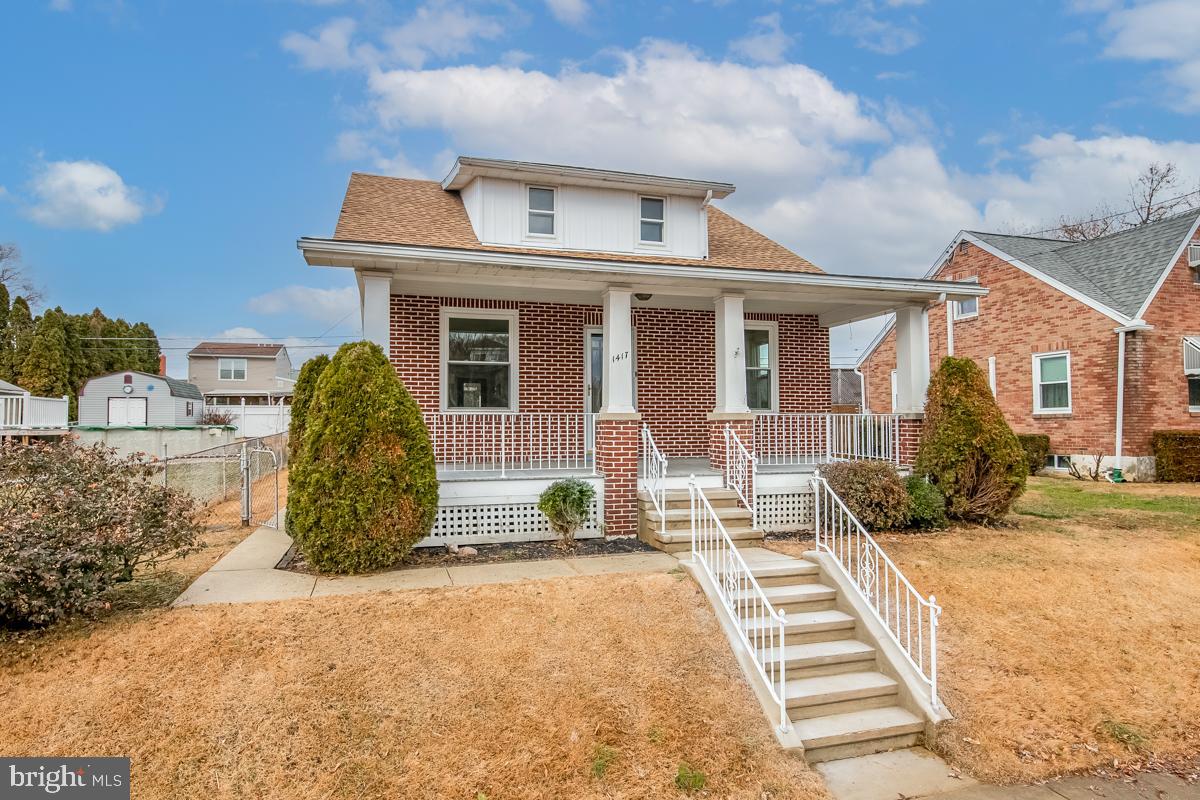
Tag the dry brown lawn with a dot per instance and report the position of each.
(579, 688)
(1072, 640)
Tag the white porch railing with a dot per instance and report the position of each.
(740, 469)
(512, 442)
(22, 412)
(759, 625)
(654, 475)
(910, 619)
(808, 439)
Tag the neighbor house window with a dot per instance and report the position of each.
(1191, 369)
(1052, 383)
(479, 360)
(541, 211)
(231, 369)
(1058, 462)
(760, 367)
(653, 219)
(966, 309)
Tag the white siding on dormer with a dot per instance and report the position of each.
(586, 218)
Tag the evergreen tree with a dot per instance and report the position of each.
(147, 347)
(46, 371)
(5, 342)
(20, 336)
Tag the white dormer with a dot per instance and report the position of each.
(519, 204)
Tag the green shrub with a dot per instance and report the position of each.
(872, 490)
(363, 489)
(1176, 455)
(567, 504)
(926, 504)
(1037, 447)
(302, 394)
(75, 521)
(689, 780)
(967, 449)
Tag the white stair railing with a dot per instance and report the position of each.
(654, 475)
(740, 471)
(910, 619)
(759, 625)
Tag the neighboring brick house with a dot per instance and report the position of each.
(233, 373)
(1051, 332)
(555, 320)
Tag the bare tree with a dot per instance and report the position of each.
(14, 275)
(1101, 222)
(1153, 195)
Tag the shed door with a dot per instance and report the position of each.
(126, 411)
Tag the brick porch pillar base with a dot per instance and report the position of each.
(617, 460)
(743, 426)
(909, 438)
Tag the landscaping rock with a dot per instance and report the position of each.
(465, 552)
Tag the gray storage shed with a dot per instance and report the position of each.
(133, 399)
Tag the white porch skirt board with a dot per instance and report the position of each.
(785, 512)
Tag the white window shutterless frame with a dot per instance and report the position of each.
(231, 369)
(541, 212)
(967, 309)
(1052, 383)
(652, 220)
(479, 355)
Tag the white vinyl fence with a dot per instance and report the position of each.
(254, 421)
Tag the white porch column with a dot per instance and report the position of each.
(375, 297)
(731, 355)
(912, 358)
(617, 391)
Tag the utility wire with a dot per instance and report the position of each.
(1114, 215)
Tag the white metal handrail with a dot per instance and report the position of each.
(741, 471)
(759, 625)
(910, 619)
(810, 439)
(654, 475)
(24, 412)
(512, 442)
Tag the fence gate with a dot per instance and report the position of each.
(235, 484)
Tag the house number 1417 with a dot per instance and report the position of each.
(620, 356)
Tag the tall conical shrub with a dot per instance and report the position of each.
(364, 489)
(302, 394)
(967, 449)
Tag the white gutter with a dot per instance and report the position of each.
(931, 289)
(1136, 325)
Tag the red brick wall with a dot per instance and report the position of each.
(617, 460)
(676, 367)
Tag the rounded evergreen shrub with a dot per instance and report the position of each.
(872, 490)
(567, 504)
(302, 394)
(967, 449)
(1037, 447)
(926, 504)
(364, 489)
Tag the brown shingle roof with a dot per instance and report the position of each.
(383, 210)
(235, 349)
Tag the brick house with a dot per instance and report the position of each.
(1095, 343)
(617, 327)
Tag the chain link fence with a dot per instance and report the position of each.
(243, 483)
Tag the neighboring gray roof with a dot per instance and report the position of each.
(1119, 270)
(10, 388)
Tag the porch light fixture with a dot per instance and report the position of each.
(643, 296)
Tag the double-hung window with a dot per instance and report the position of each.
(1052, 383)
(760, 367)
(967, 309)
(1191, 369)
(542, 211)
(231, 369)
(479, 360)
(653, 220)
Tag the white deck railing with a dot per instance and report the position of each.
(654, 475)
(808, 439)
(740, 469)
(910, 619)
(21, 412)
(759, 625)
(512, 442)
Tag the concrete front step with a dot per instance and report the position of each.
(858, 733)
(825, 695)
(798, 598)
(812, 659)
(681, 518)
(784, 573)
(813, 626)
(717, 498)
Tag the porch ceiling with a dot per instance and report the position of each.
(836, 299)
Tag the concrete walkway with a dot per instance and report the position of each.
(247, 574)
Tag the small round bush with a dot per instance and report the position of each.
(364, 489)
(1037, 447)
(872, 490)
(567, 504)
(967, 449)
(926, 505)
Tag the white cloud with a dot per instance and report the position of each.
(329, 48)
(326, 306)
(879, 35)
(381, 152)
(1151, 31)
(767, 43)
(85, 194)
(61, 5)
(569, 12)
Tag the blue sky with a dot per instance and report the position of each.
(159, 159)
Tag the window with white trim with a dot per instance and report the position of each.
(760, 345)
(479, 364)
(1191, 369)
(542, 210)
(231, 369)
(652, 223)
(1058, 462)
(1052, 383)
(967, 309)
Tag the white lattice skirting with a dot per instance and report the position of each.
(499, 522)
(785, 512)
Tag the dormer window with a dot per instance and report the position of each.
(541, 211)
(653, 219)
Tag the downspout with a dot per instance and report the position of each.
(1118, 475)
(949, 328)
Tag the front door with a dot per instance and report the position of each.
(593, 370)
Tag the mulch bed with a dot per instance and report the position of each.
(501, 553)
